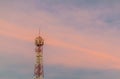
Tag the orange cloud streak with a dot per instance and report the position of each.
(74, 59)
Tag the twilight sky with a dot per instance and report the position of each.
(82, 38)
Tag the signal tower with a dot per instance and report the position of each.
(38, 70)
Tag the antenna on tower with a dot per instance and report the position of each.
(39, 31)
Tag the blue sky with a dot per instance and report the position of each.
(81, 38)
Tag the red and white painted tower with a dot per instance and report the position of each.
(38, 71)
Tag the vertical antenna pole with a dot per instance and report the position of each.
(39, 30)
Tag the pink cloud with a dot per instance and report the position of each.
(82, 57)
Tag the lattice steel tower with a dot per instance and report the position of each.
(38, 70)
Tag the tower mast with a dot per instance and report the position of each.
(38, 70)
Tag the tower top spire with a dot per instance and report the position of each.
(39, 40)
(39, 31)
